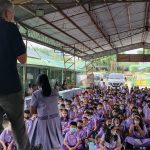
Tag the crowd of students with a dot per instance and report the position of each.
(99, 119)
(106, 119)
(33, 87)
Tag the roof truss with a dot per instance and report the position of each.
(86, 28)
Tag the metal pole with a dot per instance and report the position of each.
(64, 66)
(62, 76)
(116, 64)
(74, 70)
(25, 68)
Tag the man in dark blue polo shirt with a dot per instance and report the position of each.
(12, 49)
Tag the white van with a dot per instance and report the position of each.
(116, 79)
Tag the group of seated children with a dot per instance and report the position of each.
(106, 119)
(99, 119)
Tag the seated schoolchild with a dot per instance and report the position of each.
(74, 114)
(6, 137)
(140, 111)
(106, 125)
(117, 127)
(115, 113)
(107, 107)
(122, 109)
(90, 123)
(97, 142)
(130, 107)
(147, 115)
(102, 130)
(110, 140)
(81, 132)
(68, 106)
(28, 120)
(60, 101)
(65, 121)
(76, 100)
(101, 112)
(80, 111)
(85, 123)
(61, 106)
(129, 120)
(137, 134)
(72, 139)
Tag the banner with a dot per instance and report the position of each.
(133, 58)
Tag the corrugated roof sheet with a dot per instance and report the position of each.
(92, 28)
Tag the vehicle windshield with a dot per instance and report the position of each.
(119, 76)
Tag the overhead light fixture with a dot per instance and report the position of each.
(40, 12)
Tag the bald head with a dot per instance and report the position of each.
(6, 10)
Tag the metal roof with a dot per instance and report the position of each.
(86, 28)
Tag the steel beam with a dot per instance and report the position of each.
(120, 49)
(51, 24)
(124, 32)
(23, 19)
(42, 33)
(146, 22)
(58, 48)
(69, 60)
(48, 45)
(98, 27)
(89, 66)
(77, 26)
(109, 11)
(128, 36)
(82, 2)
(129, 18)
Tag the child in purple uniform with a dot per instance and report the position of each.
(117, 127)
(6, 137)
(110, 140)
(70, 110)
(64, 121)
(81, 132)
(28, 120)
(101, 112)
(147, 115)
(74, 114)
(85, 127)
(102, 130)
(72, 140)
(138, 134)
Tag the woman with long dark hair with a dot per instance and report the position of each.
(110, 140)
(47, 127)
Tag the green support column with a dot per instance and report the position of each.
(24, 79)
(62, 76)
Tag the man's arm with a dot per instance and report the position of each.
(18, 44)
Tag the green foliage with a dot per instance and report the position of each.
(146, 51)
(105, 61)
